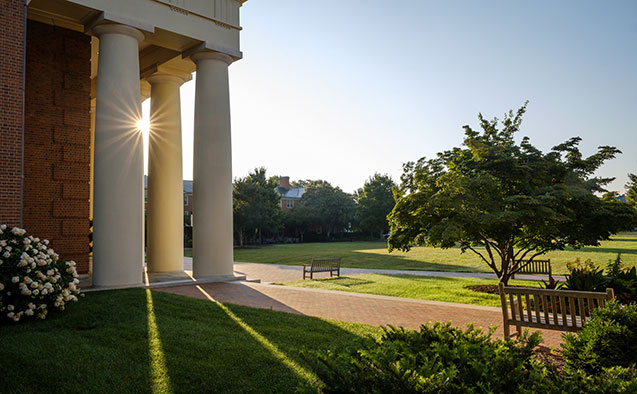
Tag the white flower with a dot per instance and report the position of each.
(18, 231)
(3, 243)
(36, 292)
(15, 279)
(31, 305)
(42, 306)
(27, 280)
(1, 287)
(28, 312)
(3, 226)
(10, 307)
(44, 292)
(27, 241)
(7, 255)
(50, 273)
(8, 248)
(10, 315)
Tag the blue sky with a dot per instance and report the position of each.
(338, 90)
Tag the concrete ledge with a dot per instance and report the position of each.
(157, 280)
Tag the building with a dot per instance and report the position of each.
(73, 76)
(289, 195)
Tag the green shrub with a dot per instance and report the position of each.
(607, 340)
(623, 280)
(33, 279)
(437, 359)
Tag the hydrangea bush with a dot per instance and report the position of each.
(33, 279)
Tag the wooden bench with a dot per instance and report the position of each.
(562, 310)
(333, 266)
(535, 267)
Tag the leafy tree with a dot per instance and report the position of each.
(256, 206)
(374, 201)
(631, 194)
(506, 202)
(326, 206)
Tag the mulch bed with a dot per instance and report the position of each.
(547, 357)
(489, 289)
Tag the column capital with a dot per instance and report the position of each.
(164, 77)
(211, 55)
(115, 28)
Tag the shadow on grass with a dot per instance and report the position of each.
(98, 345)
(215, 347)
(606, 250)
(354, 255)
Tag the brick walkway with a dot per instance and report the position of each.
(353, 307)
(270, 273)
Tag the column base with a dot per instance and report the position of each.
(164, 279)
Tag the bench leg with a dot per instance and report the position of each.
(507, 331)
(519, 331)
(311, 275)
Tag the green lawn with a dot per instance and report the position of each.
(138, 341)
(409, 286)
(375, 255)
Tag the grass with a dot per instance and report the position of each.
(409, 286)
(375, 255)
(138, 341)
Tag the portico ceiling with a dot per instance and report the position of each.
(212, 24)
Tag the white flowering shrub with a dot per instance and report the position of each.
(33, 279)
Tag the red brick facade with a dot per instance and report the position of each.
(57, 140)
(11, 68)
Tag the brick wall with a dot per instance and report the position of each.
(57, 139)
(11, 65)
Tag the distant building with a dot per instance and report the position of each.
(289, 195)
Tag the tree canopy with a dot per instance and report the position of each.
(325, 206)
(374, 201)
(256, 206)
(631, 194)
(505, 201)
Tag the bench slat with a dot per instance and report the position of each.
(568, 312)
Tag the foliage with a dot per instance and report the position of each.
(631, 194)
(623, 280)
(589, 277)
(374, 201)
(325, 206)
(552, 284)
(33, 279)
(437, 359)
(511, 199)
(256, 206)
(607, 340)
(585, 276)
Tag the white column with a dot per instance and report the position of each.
(212, 168)
(118, 210)
(165, 221)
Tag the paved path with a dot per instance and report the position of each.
(271, 273)
(353, 307)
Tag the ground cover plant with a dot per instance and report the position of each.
(374, 255)
(448, 289)
(141, 341)
(607, 340)
(443, 359)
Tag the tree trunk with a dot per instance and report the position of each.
(241, 238)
